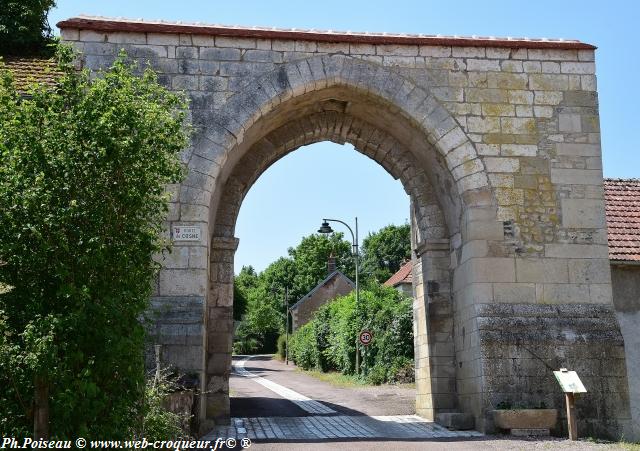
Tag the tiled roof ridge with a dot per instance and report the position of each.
(100, 23)
(625, 180)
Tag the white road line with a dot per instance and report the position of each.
(307, 404)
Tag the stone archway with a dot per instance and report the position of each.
(498, 144)
(389, 119)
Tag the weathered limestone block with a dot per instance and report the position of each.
(583, 213)
(181, 282)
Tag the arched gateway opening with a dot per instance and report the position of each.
(497, 143)
(389, 119)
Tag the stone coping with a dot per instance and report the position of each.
(108, 24)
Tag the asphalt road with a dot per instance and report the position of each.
(250, 399)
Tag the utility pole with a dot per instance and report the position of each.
(286, 311)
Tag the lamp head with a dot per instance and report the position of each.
(325, 228)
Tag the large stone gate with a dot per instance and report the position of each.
(496, 141)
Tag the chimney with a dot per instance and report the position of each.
(331, 264)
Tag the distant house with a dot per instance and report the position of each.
(402, 280)
(336, 284)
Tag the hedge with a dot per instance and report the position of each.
(328, 341)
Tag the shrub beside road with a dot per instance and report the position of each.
(328, 342)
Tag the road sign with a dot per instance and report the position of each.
(365, 337)
(186, 233)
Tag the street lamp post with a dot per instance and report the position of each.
(326, 229)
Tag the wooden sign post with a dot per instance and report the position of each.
(571, 416)
(570, 384)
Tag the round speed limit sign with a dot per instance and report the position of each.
(365, 337)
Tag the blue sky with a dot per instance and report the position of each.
(289, 200)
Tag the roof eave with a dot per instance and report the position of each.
(625, 262)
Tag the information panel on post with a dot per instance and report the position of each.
(569, 381)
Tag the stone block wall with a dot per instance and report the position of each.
(503, 137)
(626, 298)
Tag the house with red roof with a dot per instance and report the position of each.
(623, 221)
(402, 280)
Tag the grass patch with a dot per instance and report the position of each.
(338, 379)
(335, 378)
(630, 446)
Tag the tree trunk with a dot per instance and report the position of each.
(41, 411)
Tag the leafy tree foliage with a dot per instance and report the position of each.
(385, 250)
(24, 28)
(264, 316)
(310, 259)
(306, 266)
(242, 286)
(82, 175)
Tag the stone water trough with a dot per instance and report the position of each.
(526, 421)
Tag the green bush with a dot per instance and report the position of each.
(328, 342)
(303, 350)
(246, 345)
(402, 371)
(377, 375)
(282, 346)
(158, 423)
(83, 174)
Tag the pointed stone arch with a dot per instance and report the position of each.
(223, 133)
(538, 281)
(386, 117)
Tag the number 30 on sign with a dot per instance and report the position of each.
(365, 337)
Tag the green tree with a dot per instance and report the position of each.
(24, 28)
(265, 313)
(384, 251)
(310, 259)
(82, 176)
(243, 283)
(306, 266)
(279, 275)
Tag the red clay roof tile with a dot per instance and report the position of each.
(404, 275)
(623, 218)
(30, 70)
